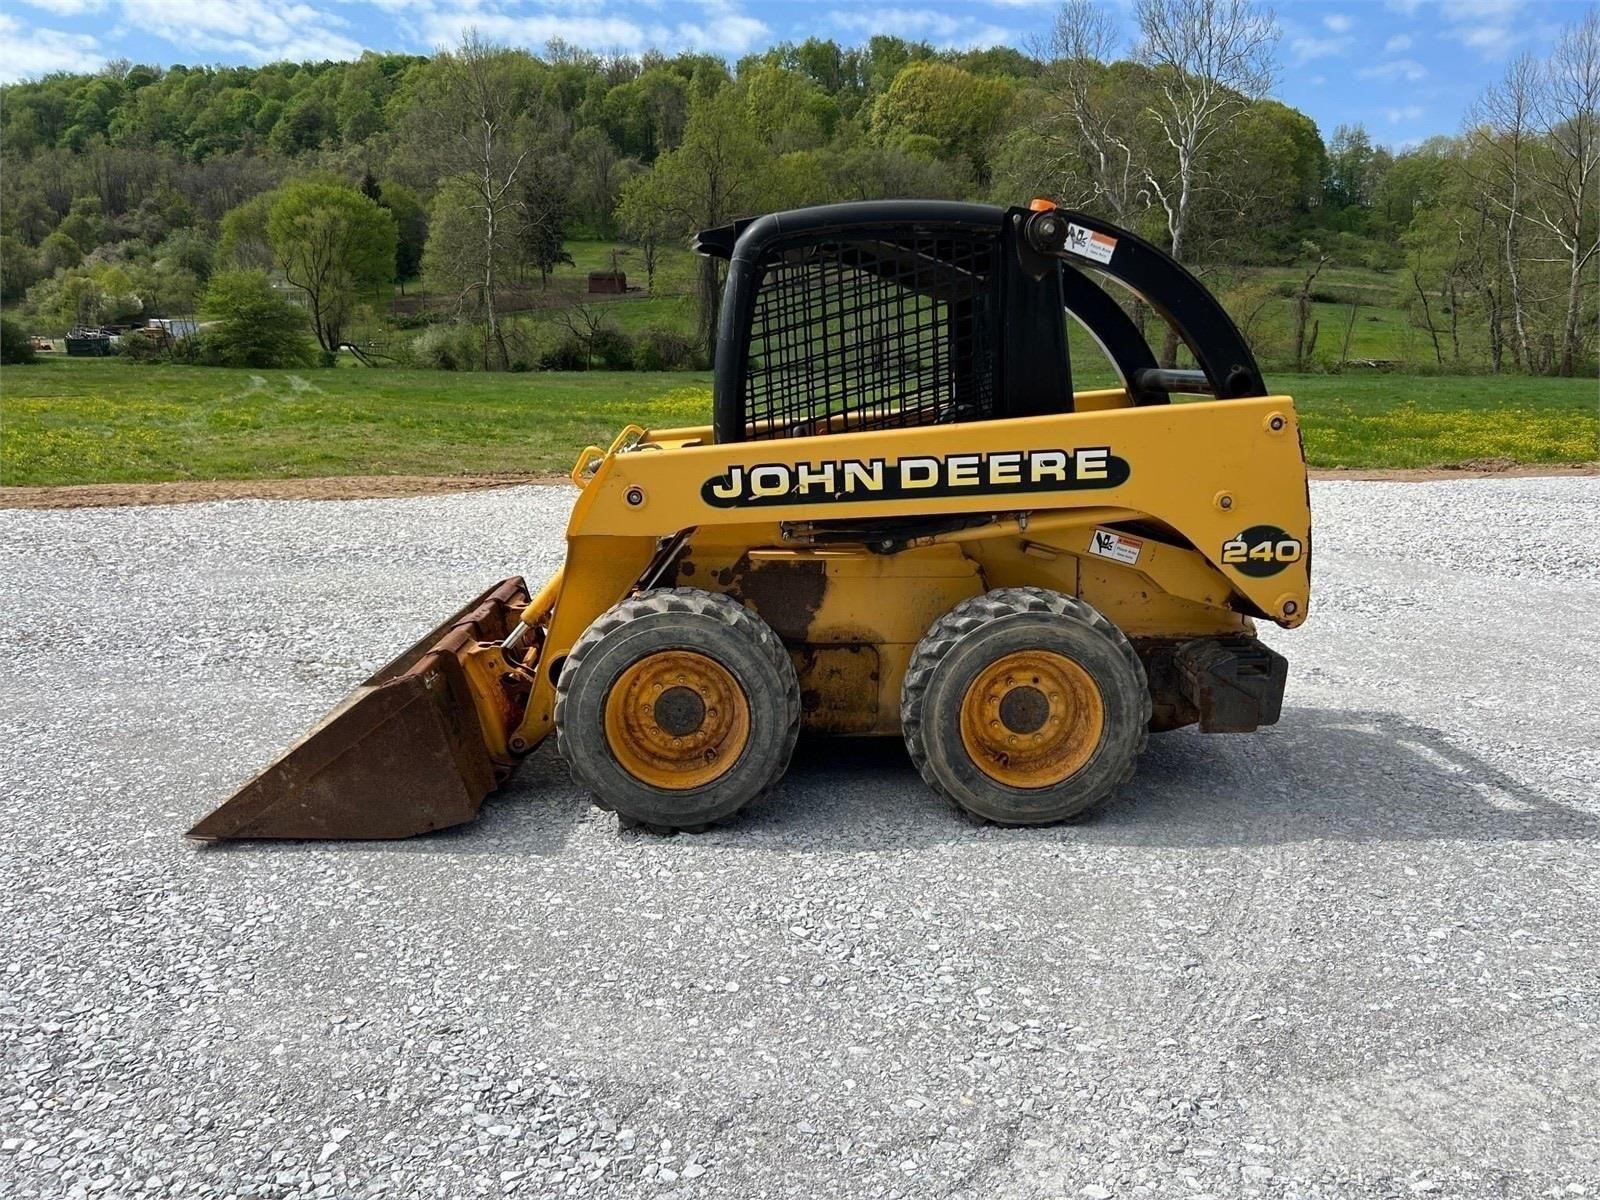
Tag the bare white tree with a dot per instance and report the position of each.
(1501, 134)
(1212, 58)
(1090, 128)
(1565, 198)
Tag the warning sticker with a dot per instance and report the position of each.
(1118, 547)
(1086, 243)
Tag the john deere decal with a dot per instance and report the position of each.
(1005, 473)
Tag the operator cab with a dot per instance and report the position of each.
(904, 313)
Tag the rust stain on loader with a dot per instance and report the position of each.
(786, 594)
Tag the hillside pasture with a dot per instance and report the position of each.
(106, 421)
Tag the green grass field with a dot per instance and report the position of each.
(104, 421)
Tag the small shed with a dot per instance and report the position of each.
(173, 329)
(608, 283)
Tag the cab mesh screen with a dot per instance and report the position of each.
(873, 333)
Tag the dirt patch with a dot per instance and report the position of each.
(1482, 468)
(384, 487)
(339, 487)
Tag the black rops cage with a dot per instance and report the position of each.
(900, 313)
(869, 317)
(881, 331)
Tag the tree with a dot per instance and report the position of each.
(20, 268)
(718, 173)
(243, 241)
(1501, 139)
(91, 294)
(789, 112)
(16, 348)
(1352, 181)
(1089, 126)
(330, 241)
(1210, 58)
(477, 136)
(598, 173)
(644, 221)
(452, 262)
(959, 110)
(588, 324)
(1303, 346)
(59, 252)
(543, 210)
(411, 228)
(1533, 151)
(1566, 169)
(254, 326)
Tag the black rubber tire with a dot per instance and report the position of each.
(972, 635)
(677, 619)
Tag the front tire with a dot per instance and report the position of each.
(676, 708)
(1025, 706)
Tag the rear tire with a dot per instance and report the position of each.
(676, 708)
(1025, 706)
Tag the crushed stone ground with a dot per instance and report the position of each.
(1356, 955)
(371, 487)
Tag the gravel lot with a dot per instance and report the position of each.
(1355, 955)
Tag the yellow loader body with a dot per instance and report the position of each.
(850, 615)
(1020, 579)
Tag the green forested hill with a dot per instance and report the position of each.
(122, 194)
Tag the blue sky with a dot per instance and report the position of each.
(1404, 68)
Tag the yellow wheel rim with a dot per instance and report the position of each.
(677, 720)
(1031, 719)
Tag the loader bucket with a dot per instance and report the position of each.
(402, 755)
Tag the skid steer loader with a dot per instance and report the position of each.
(901, 520)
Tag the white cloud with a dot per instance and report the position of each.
(1491, 27)
(1407, 112)
(1338, 22)
(1486, 38)
(255, 30)
(943, 29)
(1482, 10)
(32, 50)
(725, 29)
(1399, 42)
(67, 8)
(1408, 69)
(1305, 49)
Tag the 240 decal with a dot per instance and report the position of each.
(1262, 550)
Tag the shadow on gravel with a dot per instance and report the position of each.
(1320, 773)
(1330, 773)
